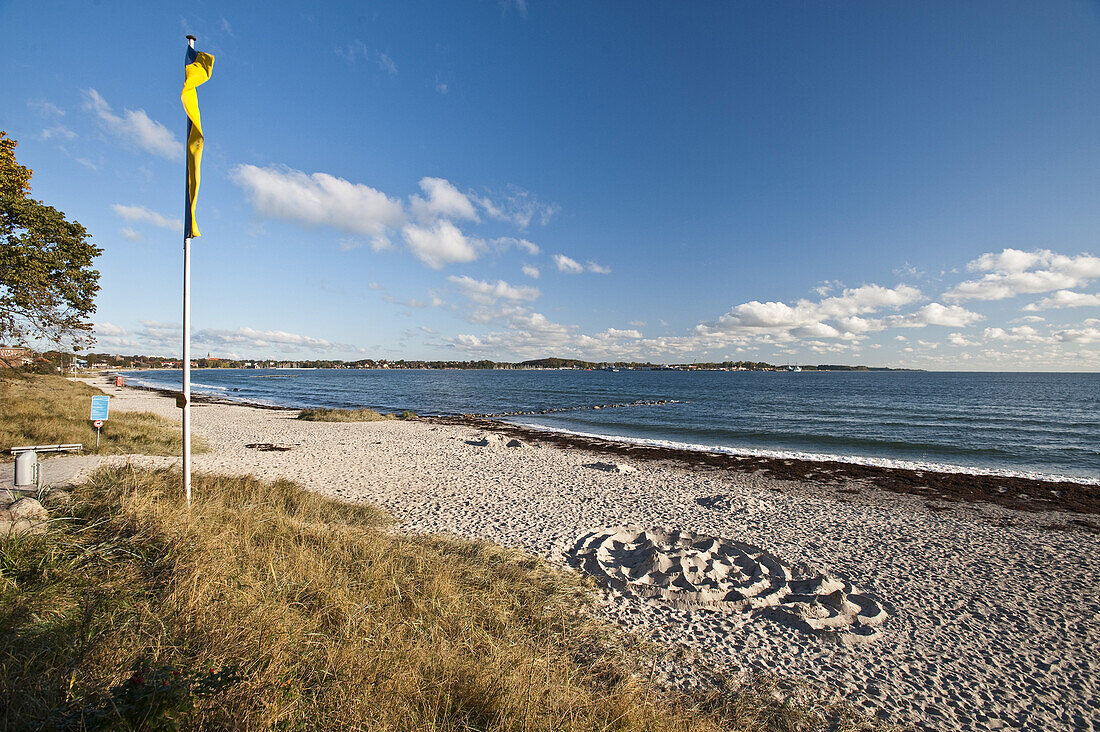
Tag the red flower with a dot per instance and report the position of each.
(137, 680)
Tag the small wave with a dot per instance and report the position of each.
(196, 385)
(922, 465)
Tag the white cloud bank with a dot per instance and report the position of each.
(1014, 272)
(320, 200)
(518, 207)
(427, 225)
(147, 216)
(164, 339)
(841, 324)
(1064, 299)
(572, 266)
(488, 293)
(443, 201)
(441, 244)
(134, 127)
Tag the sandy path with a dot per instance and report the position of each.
(991, 615)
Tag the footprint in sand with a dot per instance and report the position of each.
(695, 570)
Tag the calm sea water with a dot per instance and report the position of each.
(1028, 424)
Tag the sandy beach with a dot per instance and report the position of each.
(941, 614)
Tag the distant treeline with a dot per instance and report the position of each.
(104, 360)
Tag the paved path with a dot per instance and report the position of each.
(57, 471)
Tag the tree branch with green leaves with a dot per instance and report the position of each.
(47, 284)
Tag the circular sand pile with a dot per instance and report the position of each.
(704, 571)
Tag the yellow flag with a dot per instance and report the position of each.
(197, 71)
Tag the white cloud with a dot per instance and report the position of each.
(532, 272)
(45, 108)
(109, 329)
(144, 215)
(518, 206)
(130, 235)
(1064, 299)
(565, 264)
(953, 316)
(1013, 272)
(264, 339)
(428, 228)
(57, 132)
(1020, 333)
(443, 201)
(386, 63)
(505, 242)
(135, 127)
(320, 199)
(597, 268)
(958, 339)
(1085, 335)
(1008, 260)
(487, 293)
(441, 244)
(165, 339)
(358, 50)
(780, 317)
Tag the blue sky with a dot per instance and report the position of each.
(886, 183)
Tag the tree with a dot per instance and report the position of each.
(47, 284)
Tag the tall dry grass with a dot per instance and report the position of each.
(305, 613)
(43, 409)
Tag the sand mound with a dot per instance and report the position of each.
(703, 571)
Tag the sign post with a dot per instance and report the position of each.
(100, 407)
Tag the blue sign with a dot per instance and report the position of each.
(100, 405)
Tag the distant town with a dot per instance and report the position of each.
(54, 361)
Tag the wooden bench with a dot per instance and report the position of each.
(73, 447)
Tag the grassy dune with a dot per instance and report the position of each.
(350, 415)
(41, 410)
(266, 606)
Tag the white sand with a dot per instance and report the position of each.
(976, 617)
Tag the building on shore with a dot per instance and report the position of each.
(15, 356)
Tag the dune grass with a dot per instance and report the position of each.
(350, 415)
(49, 410)
(268, 607)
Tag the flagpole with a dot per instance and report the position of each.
(187, 334)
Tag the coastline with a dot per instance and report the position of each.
(1022, 493)
(1016, 492)
(988, 608)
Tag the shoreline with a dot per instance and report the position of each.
(1007, 491)
(1020, 493)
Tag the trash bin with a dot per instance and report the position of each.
(26, 469)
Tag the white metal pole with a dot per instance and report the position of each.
(187, 339)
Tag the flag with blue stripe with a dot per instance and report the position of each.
(197, 70)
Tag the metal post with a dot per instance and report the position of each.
(187, 338)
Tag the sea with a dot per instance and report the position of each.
(1040, 425)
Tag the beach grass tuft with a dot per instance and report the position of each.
(266, 606)
(49, 410)
(320, 414)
